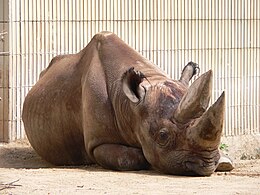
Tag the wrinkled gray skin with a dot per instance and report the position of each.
(109, 105)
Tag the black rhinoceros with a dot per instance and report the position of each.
(109, 105)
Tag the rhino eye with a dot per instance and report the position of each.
(163, 137)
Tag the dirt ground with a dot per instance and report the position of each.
(22, 171)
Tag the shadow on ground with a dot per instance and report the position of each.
(20, 155)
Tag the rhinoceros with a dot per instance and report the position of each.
(111, 106)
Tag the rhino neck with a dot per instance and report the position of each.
(124, 116)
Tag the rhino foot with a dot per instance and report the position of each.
(225, 164)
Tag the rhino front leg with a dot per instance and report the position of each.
(120, 157)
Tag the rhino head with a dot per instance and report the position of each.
(178, 133)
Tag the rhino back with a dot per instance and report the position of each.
(117, 57)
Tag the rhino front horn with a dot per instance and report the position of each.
(206, 130)
(196, 100)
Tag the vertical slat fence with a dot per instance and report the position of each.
(222, 35)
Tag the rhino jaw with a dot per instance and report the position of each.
(196, 99)
(206, 131)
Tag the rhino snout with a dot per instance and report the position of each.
(201, 167)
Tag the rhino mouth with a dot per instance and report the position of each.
(203, 163)
(201, 167)
(189, 163)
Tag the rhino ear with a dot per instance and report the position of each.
(131, 80)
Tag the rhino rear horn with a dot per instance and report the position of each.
(131, 80)
(196, 100)
(206, 131)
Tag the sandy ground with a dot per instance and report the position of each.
(22, 171)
